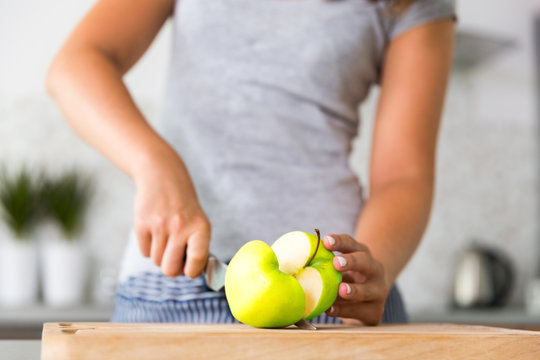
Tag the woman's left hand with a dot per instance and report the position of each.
(364, 289)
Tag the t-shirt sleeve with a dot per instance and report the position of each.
(421, 12)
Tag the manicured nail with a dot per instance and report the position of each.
(348, 287)
(331, 240)
(332, 309)
(342, 261)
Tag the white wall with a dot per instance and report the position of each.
(487, 170)
(32, 131)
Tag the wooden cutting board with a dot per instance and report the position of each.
(63, 341)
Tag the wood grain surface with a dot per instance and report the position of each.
(63, 341)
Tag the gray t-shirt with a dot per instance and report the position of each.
(261, 103)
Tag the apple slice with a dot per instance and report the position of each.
(304, 257)
(294, 251)
(312, 284)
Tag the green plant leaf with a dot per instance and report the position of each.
(19, 202)
(66, 200)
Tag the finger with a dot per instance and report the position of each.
(174, 255)
(341, 301)
(343, 243)
(173, 258)
(197, 254)
(360, 292)
(348, 276)
(144, 239)
(159, 241)
(349, 321)
(357, 261)
(354, 277)
(368, 313)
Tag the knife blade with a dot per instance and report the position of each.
(214, 273)
(303, 324)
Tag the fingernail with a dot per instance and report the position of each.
(332, 308)
(342, 261)
(331, 240)
(348, 287)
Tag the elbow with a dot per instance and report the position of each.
(63, 66)
(70, 66)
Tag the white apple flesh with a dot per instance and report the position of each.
(311, 282)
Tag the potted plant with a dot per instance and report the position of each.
(66, 199)
(19, 210)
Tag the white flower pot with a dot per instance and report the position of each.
(64, 273)
(19, 281)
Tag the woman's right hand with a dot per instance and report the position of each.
(170, 224)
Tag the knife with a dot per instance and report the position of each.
(214, 274)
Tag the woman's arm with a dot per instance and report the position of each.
(85, 79)
(402, 168)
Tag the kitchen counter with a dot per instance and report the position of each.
(39, 314)
(516, 318)
(27, 322)
(20, 349)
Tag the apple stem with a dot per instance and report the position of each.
(317, 248)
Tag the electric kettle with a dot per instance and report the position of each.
(484, 278)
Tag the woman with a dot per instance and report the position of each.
(254, 136)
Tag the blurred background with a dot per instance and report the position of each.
(479, 261)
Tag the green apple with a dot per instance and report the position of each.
(279, 285)
(258, 293)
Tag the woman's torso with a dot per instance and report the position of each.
(261, 103)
